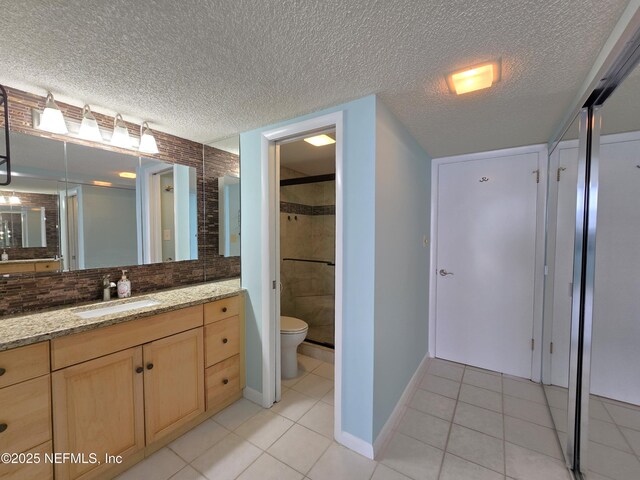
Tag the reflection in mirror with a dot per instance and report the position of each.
(4, 148)
(561, 221)
(29, 206)
(614, 404)
(169, 211)
(100, 206)
(229, 215)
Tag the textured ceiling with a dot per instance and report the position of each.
(305, 158)
(208, 70)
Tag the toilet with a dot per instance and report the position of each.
(292, 333)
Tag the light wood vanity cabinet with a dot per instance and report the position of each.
(130, 388)
(25, 409)
(173, 382)
(223, 335)
(98, 407)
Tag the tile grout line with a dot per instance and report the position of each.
(453, 416)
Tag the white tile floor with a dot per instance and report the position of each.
(614, 435)
(461, 423)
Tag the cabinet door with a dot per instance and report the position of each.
(173, 382)
(98, 408)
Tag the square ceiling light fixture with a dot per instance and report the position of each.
(474, 78)
(320, 140)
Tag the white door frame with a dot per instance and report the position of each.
(541, 150)
(270, 264)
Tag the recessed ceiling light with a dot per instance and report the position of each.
(474, 78)
(100, 183)
(127, 175)
(320, 140)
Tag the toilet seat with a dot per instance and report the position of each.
(292, 325)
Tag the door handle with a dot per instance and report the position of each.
(444, 273)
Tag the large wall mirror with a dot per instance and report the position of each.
(87, 207)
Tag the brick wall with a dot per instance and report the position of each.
(28, 292)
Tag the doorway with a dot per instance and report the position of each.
(486, 273)
(271, 388)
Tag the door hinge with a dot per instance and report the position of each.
(273, 286)
(537, 172)
(570, 289)
(533, 344)
(560, 170)
(551, 347)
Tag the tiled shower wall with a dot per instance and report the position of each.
(307, 231)
(28, 292)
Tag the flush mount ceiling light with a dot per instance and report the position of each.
(100, 183)
(89, 129)
(52, 119)
(320, 140)
(120, 136)
(147, 140)
(127, 175)
(474, 78)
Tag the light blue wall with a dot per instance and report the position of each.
(402, 211)
(359, 250)
(386, 185)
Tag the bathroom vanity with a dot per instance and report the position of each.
(114, 382)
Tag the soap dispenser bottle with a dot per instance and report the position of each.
(4, 256)
(124, 286)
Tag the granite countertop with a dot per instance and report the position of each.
(30, 260)
(23, 330)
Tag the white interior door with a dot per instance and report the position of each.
(616, 317)
(567, 179)
(485, 259)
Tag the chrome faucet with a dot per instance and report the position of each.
(107, 285)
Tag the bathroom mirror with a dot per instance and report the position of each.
(29, 206)
(123, 210)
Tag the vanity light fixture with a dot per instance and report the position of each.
(13, 200)
(147, 140)
(320, 140)
(474, 78)
(120, 136)
(52, 119)
(89, 129)
(127, 175)
(3, 200)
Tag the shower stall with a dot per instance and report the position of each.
(307, 252)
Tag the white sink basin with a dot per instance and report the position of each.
(119, 308)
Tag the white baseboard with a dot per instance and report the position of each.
(253, 395)
(356, 444)
(387, 431)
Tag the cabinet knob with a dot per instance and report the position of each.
(3, 427)
(149, 366)
(139, 369)
(225, 381)
(2, 371)
(225, 340)
(224, 309)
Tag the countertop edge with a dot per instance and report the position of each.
(115, 319)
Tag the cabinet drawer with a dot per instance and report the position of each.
(84, 346)
(222, 383)
(20, 364)
(221, 340)
(47, 266)
(30, 471)
(225, 308)
(25, 414)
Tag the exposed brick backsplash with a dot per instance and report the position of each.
(29, 292)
